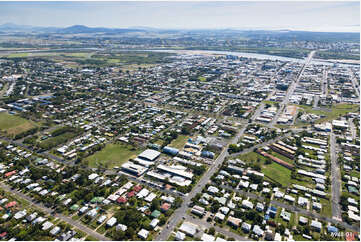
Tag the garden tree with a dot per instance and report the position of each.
(178, 202)
(212, 231)
(197, 197)
(155, 204)
(306, 229)
(343, 201)
(254, 216)
(215, 206)
(281, 229)
(162, 219)
(256, 167)
(130, 233)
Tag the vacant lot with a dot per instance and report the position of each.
(179, 142)
(18, 55)
(277, 173)
(13, 124)
(336, 111)
(57, 140)
(112, 155)
(273, 171)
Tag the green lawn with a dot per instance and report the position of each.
(270, 102)
(251, 157)
(326, 208)
(57, 140)
(277, 173)
(179, 142)
(112, 155)
(336, 111)
(17, 55)
(273, 171)
(13, 124)
(202, 78)
(282, 157)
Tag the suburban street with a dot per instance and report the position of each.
(297, 209)
(355, 83)
(180, 212)
(47, 210)
(204, 224)
(335, 179)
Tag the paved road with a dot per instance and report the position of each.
(47, 210)
(355, 83)
(290, 90)
(177, 215)
(261, 145)
(293, 208)
(204, 224)
(352, 128)
(335, 180)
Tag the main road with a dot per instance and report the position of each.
(291, 89)
(181, 211)
(355, 83)
(335, 180)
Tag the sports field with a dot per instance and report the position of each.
(112, 155)
(13, 124)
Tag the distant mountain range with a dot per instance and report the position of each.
(284, 34)
(75, 29)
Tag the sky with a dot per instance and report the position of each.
(337, 16)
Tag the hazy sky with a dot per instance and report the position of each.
(313, 16)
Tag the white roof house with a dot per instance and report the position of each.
(189, 228)
(143, 233)
(154, 223)
(47, 225)
(121, 227)
(316, 225)
(207, 237)
(180, 236)
(111, 222)
(55, 230)
(247, 204)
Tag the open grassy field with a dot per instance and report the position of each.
(179, 142)
(282, 157)
(336, 111)
(112, 155)
(270, 102)
(251, 157)
(13, 124)
(17, 55)
(273, 171)
(57, 140)
(277, 173)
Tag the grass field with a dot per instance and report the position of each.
(179, 142)
(282, 157)
(13, 124)
(270, 102)
(112, 155)
(57, 140)
(273, 171)
(277, 173)
(336, 111)
(17, 55)
(251, 157)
